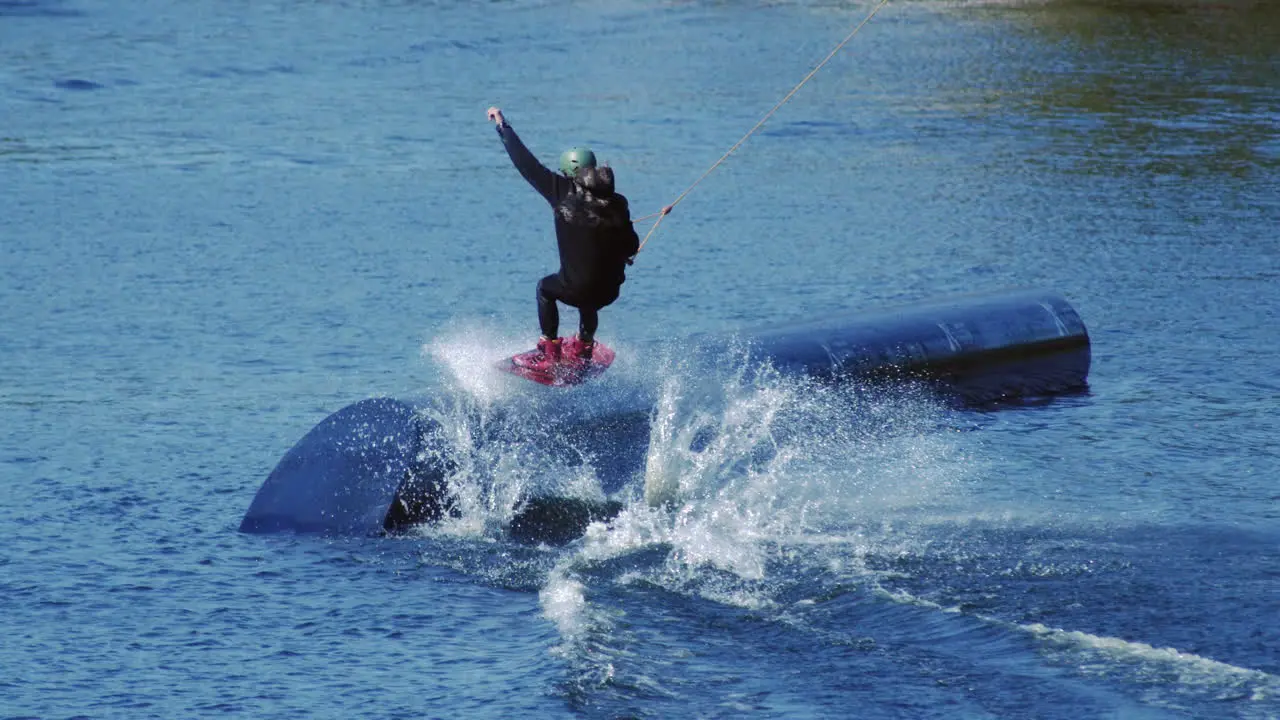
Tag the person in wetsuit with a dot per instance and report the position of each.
(594, 235)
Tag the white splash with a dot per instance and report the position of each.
(1191, 673)
(563, 601)
(470, 357)
(742, 470)
(1141, 663)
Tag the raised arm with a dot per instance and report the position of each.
(547, 183)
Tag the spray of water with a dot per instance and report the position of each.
(744, 470)
(508, 439)
(468, 356)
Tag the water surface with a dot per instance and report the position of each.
(224, 220)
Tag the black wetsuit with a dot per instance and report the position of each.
(596, 238)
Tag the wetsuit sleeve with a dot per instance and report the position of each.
(543, 180)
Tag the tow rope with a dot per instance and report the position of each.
(664, 211)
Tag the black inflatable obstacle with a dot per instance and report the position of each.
(978, 349)
(379, 465)
(359, 472)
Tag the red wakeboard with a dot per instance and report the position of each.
(571, 370)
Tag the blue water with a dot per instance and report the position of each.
(222, 221)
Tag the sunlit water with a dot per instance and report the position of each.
(223, 221)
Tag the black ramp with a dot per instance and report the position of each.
(342, 477)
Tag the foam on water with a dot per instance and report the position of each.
(564, 602)
(1193, 678)
(1146, 664)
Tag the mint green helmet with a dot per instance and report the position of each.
(574, 158)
